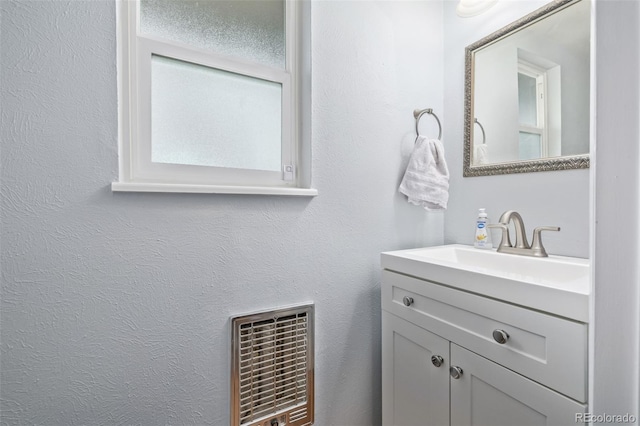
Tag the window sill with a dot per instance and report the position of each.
(211, 189)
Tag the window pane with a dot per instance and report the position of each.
(530, 146)
(249, 29)
(208, 117)
(527, 100)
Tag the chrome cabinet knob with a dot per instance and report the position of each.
(455, 372)
(500, 336)
(408, 301)
(437, 360)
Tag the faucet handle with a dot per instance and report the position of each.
(536, 245)
(505, 242)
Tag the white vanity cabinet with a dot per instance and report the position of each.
(452, 357)
(415, 391)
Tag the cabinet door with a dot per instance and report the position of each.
(415, 392)
(489, 394)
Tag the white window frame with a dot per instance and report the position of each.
(137, 171)
(540, 75)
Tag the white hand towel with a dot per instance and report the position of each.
(480, 155)
(426, 180)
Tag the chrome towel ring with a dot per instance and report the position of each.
(418, 113)
(484, 136)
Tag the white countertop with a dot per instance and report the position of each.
(557, 285)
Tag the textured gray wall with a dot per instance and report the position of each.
(115, 306)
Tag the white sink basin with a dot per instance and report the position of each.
(556, 284)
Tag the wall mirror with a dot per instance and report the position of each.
(527, 94)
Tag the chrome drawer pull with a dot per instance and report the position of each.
(455, 372)
(408, 301)
(500, 336)
(437, 360)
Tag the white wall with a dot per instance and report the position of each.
(559, 198)
(616, 336)
(115, 307)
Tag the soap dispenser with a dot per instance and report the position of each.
(483, 237)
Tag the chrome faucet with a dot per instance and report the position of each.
(522, 246)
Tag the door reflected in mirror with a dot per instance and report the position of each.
(527, 100)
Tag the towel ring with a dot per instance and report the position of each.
(418, 113)
(484, 137)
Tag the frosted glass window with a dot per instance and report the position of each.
(207, 117)
(211, 98)
(527, 100)
(248, 29)
(530, 146)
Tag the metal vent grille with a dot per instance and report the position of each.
(272, 368)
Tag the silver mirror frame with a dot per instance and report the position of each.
(541, 165)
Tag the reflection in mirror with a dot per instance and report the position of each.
(527, 93)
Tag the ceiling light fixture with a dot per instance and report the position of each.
(469, 8)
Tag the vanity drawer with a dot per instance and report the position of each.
(548, 349)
